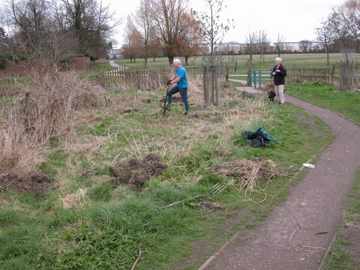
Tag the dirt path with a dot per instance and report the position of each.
(298, 233)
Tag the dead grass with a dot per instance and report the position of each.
(248, 173)
(45, 110)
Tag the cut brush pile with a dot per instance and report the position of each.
(248, 173)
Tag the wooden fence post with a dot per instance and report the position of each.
(205, 85)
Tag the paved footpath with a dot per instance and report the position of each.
(298, 233)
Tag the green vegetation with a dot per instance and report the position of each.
(112, 225)
(326, 96)
(344, 253)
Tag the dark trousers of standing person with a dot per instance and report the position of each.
(184, 97)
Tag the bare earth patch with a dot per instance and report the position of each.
(137, 172)
(33, 182)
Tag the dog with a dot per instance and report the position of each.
(272, 95)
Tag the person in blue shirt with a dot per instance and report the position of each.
(180, 85)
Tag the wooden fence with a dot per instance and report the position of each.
(141, 79)
(133, 79)
(344, 77)
(324, 75)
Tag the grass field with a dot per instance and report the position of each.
(326, 96)
(108, 227)
(290, 60)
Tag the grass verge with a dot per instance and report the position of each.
(326, 96)
(344, 254)
(114, 225)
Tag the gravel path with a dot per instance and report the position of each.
(298, 233)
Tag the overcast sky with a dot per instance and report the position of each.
(294, 19)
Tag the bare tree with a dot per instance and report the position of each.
(279, 45)
(251, 48)
(190, 40)
(145, 26)
(31, 18)
(343, 25)
(90, 22)
(262, 44)
(57, 29)
(155, 48)
(305, 46)
(167, 15)
(324, 36)
(213, 27)
(134, 42)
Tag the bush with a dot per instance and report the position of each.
(47, 110)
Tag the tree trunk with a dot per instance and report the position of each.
(146, 61)
(171, 59)
(327, 56)
(186, 60)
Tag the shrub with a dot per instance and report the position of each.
(46, 111)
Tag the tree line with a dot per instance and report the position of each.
(170, 28)
(55, 29)
(341, 30)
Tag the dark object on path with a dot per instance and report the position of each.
(34, 182)
(259, 138)
(136, 172)
(272, 95)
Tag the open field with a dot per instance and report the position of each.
(89, 220)
(290, 60)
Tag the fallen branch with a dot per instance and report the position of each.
(137, 260)
(181, 202)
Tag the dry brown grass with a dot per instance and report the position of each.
(248, 173)
(46, 109)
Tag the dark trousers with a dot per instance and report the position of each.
(183, 92)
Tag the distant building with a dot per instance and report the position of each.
(115, 54)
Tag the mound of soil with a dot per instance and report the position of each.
(248, 173)
(33, 183)
(137, 172)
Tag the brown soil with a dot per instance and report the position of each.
(137, 172)
(33, 183)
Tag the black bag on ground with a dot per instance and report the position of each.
(259, 138)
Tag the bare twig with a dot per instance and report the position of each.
(182, 201)
(137, 260)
